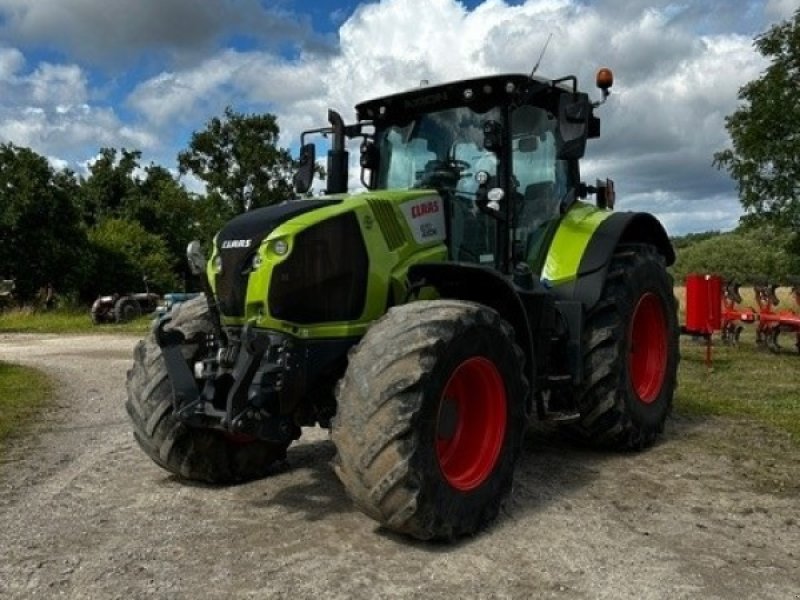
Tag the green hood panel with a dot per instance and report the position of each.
(398, 228)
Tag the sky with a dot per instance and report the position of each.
(79, 75)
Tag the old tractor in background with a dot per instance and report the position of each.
(427, 321)
(121, 308)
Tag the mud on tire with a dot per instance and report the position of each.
(190, 453)
(430, 418)
(630, 353)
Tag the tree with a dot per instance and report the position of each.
(43, 239)
(163, 207)
(110, 184)
(238, 158)
(765, 131)
(118, 188)
(747, 255)
(125, 253)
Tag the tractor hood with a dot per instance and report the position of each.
(324, 263)
(238, 241)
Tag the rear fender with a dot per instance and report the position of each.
(599, 243)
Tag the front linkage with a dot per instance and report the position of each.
(248, 377)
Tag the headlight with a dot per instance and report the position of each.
(280, 247)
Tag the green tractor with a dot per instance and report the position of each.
(470, 291)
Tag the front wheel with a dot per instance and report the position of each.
(630, 353)
(190, 453)
(430, 418)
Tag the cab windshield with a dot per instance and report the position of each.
(442, 149)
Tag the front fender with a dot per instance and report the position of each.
(474, 283)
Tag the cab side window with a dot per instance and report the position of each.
(540, 177)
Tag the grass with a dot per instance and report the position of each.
(64, 320)
(23, 391)
(746, 381)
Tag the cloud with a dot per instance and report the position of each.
(111, 32)
(676, 81)
(675, 117)
(678, 68)
(249, 77)
(48, 109)
(779, 10)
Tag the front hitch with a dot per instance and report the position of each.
(251, 396)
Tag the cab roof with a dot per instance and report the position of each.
(481, 93)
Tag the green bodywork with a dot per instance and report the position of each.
(575, 230)
(391, 249)
(387, 266)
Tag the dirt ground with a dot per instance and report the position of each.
(713, 511)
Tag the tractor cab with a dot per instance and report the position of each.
(502, 151)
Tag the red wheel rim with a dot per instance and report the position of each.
(471, 423)
(239, 439)
(647, 360)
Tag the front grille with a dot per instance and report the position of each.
(239, 240)
(325, 277)
(231, 283)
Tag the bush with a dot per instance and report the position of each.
(123, 255)
(745, 255)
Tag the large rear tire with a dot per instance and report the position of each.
(630, 353)
(191, 453)
(431, 417)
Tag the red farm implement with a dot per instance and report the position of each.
(772, 323)
(703, 308)
(733, 315)
(713, 306)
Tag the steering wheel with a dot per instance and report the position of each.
(448, 165)
(444, 173)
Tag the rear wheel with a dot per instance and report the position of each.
(191, 453)
(430, 418)
(631, 353)
(126, 309)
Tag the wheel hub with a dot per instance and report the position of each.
(647, 359)
(471, 423)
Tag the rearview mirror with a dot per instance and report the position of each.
(195, 258)
(370, 156)
(606, 195)
(305, 171)
(573, 124)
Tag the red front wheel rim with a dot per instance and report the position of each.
(647, 361)
(471, 423)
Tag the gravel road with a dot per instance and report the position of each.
(711, 512)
